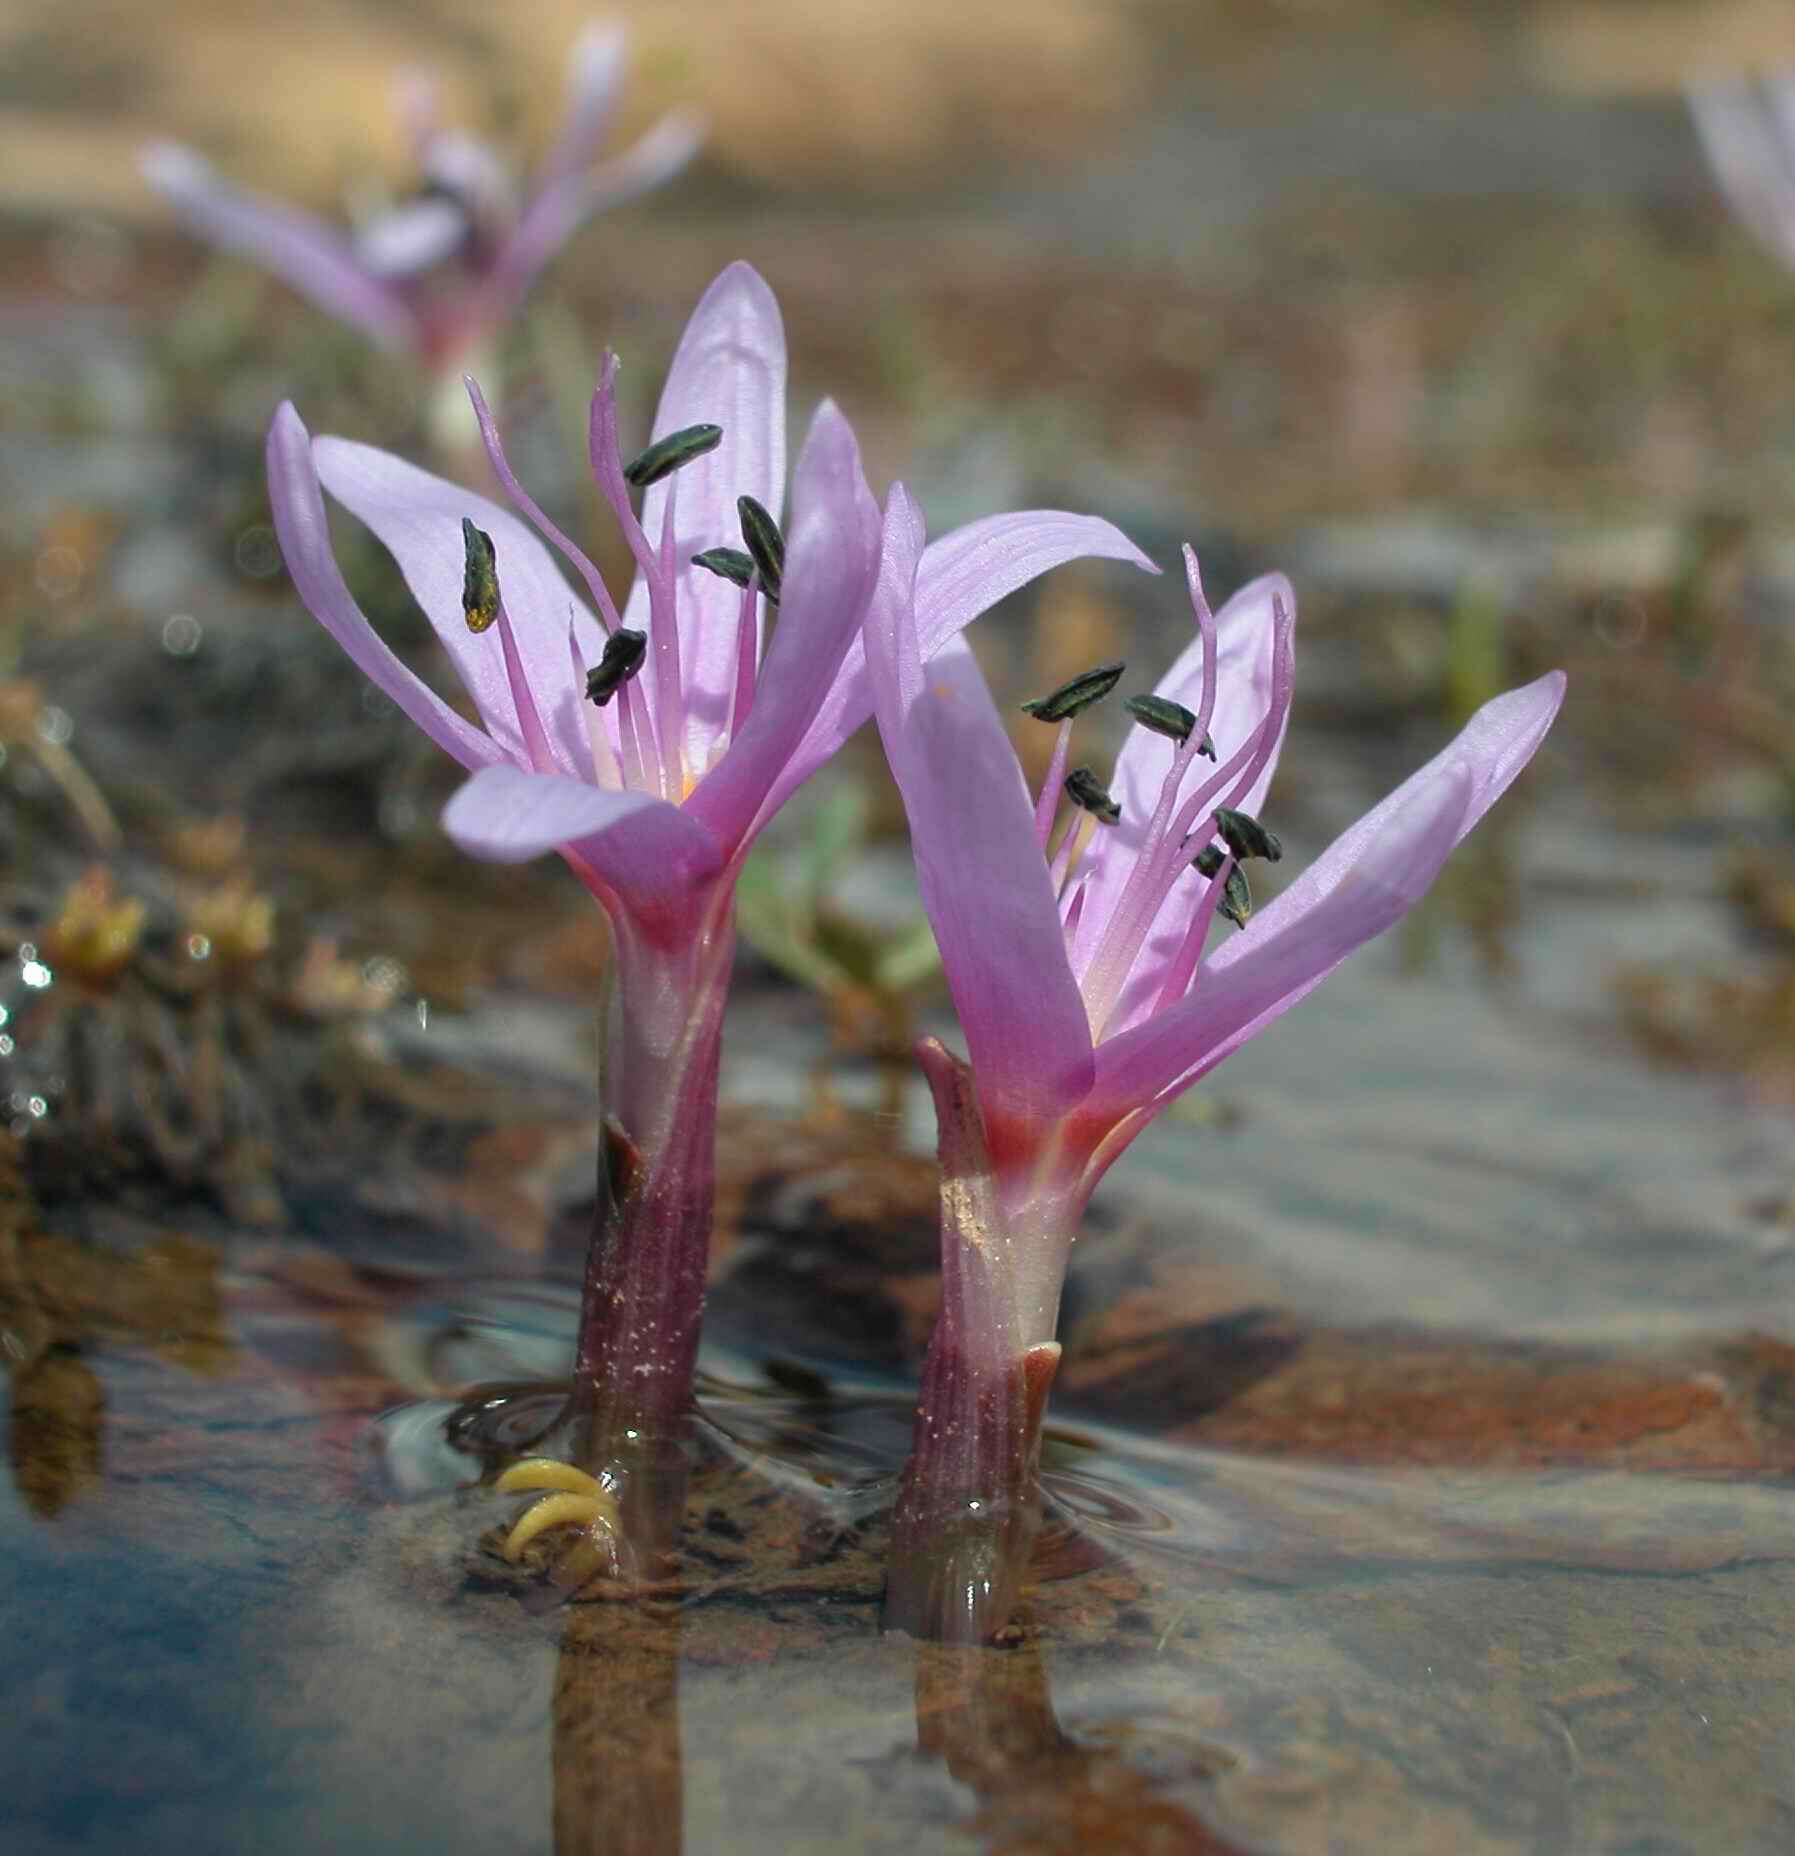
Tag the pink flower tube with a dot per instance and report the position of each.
(649, 747)
(1088, 996)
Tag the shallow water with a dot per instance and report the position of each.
(275, 1618)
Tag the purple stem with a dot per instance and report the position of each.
(643, 1297)
(969, 1506)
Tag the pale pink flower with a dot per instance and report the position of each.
(1090, 998)
(436, 275)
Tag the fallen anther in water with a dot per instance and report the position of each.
(575, 1499)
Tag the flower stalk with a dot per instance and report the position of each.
(969, 1504)
(642, 1297)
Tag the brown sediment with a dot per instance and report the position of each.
(988, 1716)
(1266, 1385)
(617, 1752)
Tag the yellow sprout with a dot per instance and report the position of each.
(576, 1500)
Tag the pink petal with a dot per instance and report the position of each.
(972, 830)
(554, 214)
(652, 159)
(1145, 1068)
(641, 848)
(594, 76)
(1245, 642)
(1493, 747)
(970, 569)
(962, 575)
(473, 174)
(304, 531)
(729, 370)
(418, 517)
(413, 237)
(832, 560)
(311, 256)
(1370, 877)
(1752, 154)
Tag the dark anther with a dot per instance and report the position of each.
(479, 577)
(1074, 698)
(1237, 899)
(1167, 718)
(730, 563)
(766, 546)
(1089, 793)
(1245, 836)
(666, 455)
(624, 652)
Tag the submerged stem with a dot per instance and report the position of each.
(643, 1296)
(968, 1508)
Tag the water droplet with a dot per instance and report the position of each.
(1621, 622)
(257, 552)
(57, 572)
(55, 725)
(35, 974)
(383, 973)
(182, 634)
(199, 947)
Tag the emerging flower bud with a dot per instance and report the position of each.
(625, 651)
(1089, 793)
(479, 577)
(1168, 718)
(666, 455)
(1073, 698)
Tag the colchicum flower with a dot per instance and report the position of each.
(1748, 132)
(1087, 999)
(436, 275)
(649, 747)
